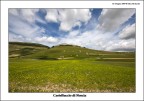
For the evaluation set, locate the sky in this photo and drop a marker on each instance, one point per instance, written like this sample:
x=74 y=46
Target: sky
x=99 y=29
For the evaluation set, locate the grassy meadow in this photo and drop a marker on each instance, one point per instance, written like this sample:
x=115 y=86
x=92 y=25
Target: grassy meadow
x=69 y=68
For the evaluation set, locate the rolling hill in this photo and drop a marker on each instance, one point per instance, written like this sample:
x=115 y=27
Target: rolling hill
x=38 y=51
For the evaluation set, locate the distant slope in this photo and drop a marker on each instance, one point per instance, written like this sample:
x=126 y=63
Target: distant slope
x=27 y=44
x=21 y=49
x=38 y=51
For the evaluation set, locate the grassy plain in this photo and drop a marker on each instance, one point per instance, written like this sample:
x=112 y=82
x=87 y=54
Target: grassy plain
x=67 y=68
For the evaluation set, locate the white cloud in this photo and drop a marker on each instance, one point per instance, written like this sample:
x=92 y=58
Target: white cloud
x=128 y=32
x=91 y=39
x=22 y=28
x=22 y=24
x=52 y=39
x=38 y=19
x=29 y=14
x=14 y=12
x=52 y=15
x=74 y=33
x=45 y=39
x=73 y=17
x=68 y=18
x=111 y=19
x=19 y=30
x=14 y=37
x=121 y=45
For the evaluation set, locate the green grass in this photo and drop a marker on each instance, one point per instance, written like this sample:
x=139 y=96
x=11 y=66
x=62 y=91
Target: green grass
x=39 y=69
x=77 y=75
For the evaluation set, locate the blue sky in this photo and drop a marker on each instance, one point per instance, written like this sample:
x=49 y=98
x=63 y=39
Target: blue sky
x=100 y=29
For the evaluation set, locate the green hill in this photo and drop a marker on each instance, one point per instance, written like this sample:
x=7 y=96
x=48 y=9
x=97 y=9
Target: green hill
x=38 y=51
x=21 y=49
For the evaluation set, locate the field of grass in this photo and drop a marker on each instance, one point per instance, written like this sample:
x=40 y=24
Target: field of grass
x=69 y=69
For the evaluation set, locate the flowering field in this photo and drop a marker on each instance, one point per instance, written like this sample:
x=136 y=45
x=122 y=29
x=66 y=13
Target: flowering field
x=35 y=73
